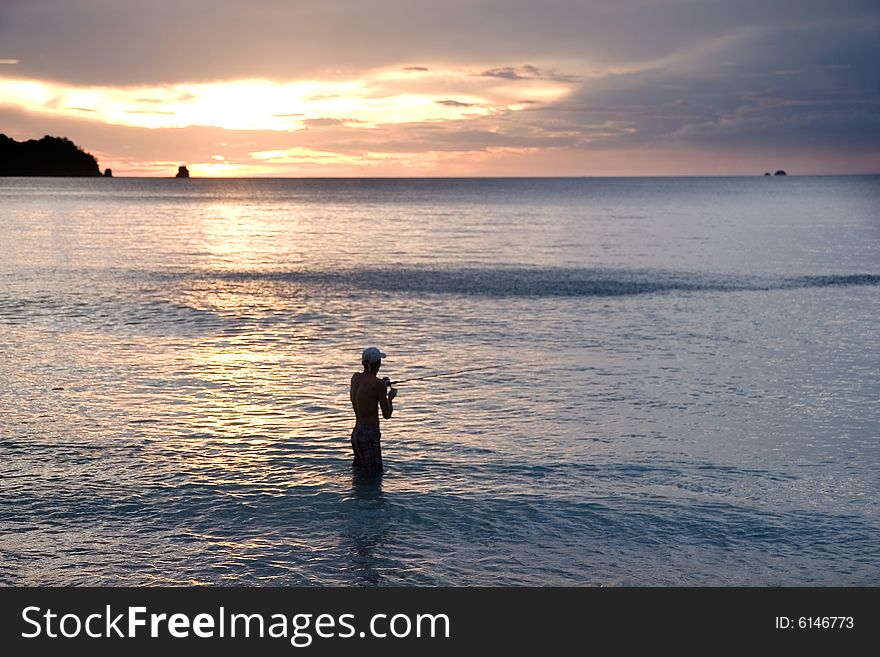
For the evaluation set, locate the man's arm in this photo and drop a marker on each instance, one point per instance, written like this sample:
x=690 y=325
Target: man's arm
x=385 y=401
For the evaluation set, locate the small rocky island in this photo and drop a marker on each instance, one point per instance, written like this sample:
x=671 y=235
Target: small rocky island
x=778 y=173
x=49 y=156
x=182 y=172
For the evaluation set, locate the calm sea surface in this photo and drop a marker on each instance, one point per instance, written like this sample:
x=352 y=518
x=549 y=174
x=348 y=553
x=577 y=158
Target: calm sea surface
x=682 y=389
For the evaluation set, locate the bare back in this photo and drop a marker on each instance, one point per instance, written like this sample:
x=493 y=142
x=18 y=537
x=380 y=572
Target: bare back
x=368 y=395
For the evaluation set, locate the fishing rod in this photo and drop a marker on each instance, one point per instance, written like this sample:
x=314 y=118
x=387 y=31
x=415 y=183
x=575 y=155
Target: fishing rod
x=388 y=382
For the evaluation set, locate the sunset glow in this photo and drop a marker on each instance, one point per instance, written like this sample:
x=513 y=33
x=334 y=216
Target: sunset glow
x=341 y=89
x=268 y=105
x=376 y=102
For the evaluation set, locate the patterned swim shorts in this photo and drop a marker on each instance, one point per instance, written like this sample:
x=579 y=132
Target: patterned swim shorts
x=366 y=448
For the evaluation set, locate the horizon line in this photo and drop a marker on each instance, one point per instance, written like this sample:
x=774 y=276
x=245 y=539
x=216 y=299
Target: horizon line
x=487 y=177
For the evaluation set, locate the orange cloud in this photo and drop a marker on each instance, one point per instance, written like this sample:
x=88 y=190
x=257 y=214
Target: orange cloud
x=383 y=97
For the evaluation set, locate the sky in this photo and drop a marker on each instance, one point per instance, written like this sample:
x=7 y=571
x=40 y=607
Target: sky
x=452 y=88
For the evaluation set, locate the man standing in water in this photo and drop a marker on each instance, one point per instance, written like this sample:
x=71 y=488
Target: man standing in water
x=368 y=394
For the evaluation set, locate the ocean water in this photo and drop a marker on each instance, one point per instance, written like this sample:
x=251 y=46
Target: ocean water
x=681 y=384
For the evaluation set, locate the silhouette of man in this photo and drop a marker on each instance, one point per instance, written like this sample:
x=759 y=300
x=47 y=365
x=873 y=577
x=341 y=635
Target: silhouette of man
x=368 y=394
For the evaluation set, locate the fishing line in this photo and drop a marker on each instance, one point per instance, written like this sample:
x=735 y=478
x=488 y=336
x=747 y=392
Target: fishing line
x=432 y=376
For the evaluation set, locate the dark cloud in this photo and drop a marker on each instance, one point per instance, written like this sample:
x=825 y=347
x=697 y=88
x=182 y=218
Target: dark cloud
x=791 y=125
x=328 y=122
x=154 y=41
x=511 y=73
x=527 y=72
x=801 y=84
x=455 y=103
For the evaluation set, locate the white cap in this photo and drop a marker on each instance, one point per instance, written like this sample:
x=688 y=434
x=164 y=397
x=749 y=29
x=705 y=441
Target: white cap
x=372 y=355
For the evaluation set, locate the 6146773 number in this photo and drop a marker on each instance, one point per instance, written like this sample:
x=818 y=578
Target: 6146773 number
x=815 y=622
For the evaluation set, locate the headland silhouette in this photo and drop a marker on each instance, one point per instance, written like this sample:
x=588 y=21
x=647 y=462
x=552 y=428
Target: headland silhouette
x=49 y=156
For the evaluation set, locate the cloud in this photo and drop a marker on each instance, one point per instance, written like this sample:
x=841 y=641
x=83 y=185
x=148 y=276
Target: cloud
x=325 y=122
x=730 y=94
x=790 y=125
x=376 y=98
x=473 y=79
x=166 y=41
x=527 y=72
x=455 y=103
x=511 y=73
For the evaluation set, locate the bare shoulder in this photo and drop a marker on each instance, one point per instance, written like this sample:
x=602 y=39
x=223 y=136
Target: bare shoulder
x=364 y=380
x=373 y=384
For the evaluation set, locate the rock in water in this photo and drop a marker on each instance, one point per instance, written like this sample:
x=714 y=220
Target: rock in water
x=182 y=172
